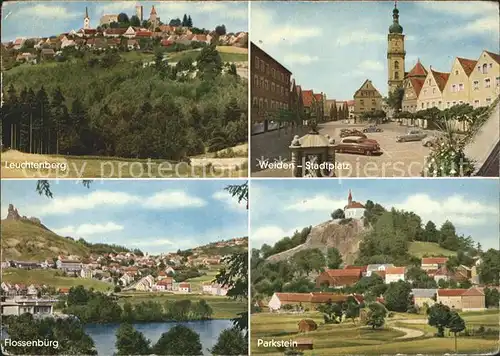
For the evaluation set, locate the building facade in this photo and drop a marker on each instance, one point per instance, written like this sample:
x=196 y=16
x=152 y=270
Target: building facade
x=367 y=99
x=431 y=94
x=353 y=209
x=413 y=83
x=395 y=53
x=108 y=19
x=485 y=80
x=270 y=89
x=457 y=88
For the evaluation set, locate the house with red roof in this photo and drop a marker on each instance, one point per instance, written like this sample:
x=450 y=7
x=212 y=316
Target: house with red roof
x=394 y=274
x=412 y=84
x=457 y=88
x=485 y=79
x=432 y=263
x=164 y=284
x=462 y=299
x=431 y=94
x=338 y=277
x=278 y=300
x=184 y=287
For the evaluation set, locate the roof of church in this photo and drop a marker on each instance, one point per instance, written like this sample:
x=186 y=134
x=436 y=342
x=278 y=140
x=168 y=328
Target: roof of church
x=467 y=64
x=418 y=70
x=440 y=78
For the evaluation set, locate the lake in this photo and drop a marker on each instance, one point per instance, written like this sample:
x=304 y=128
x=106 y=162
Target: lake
x=104 y=335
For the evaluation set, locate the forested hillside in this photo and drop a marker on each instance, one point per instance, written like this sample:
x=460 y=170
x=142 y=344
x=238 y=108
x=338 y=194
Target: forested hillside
x=102 y=104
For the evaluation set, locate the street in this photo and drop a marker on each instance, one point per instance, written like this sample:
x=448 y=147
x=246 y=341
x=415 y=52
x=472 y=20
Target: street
x=397 y=159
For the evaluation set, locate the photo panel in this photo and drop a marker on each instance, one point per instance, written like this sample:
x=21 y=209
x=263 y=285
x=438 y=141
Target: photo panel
x=374 y=267
x=144 y=267
x=374 y=89
x=124 y=89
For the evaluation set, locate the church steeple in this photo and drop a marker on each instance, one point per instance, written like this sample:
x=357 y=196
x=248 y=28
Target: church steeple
x=349 y=198
x=86 y=19
x=395 y=27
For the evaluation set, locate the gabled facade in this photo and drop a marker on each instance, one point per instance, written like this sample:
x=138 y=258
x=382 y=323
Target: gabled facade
x=485 y=80
x=367 y=98
x=412 y=86
x=431 y=94
x=457 y=89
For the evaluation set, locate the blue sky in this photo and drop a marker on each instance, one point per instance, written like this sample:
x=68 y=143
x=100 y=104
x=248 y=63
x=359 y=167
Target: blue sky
x=155 y=216
x=279 y=207
x=332 y=47
x=45 y=18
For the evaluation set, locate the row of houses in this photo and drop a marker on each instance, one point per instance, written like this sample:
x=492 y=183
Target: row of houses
x=470 y=81
x=309 y=300
x=214 y=289
x=148 y=283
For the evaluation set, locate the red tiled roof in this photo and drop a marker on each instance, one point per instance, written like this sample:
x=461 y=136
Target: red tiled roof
x=166 y=28
x=165 y=282
x=417 y=84
x=166 y=43
x=441 y=78
x=473 y=292
x=495 y=56
x=434 y=260
x=395 y=270
x=325 y=297
x=184 y=285
x=351 y=272
x=294 y=297
x=418 y=70
x=467 y=64
x=143 y=34
x=450 y=292
x=115 y=31
x=201 y=37
x=162 y=273
x=307 y=97
x=318 y=97
x=350 y=102
x=354 y=205
x=362 y=268
x=443 y=271
x=380 y=273
x=63 y=290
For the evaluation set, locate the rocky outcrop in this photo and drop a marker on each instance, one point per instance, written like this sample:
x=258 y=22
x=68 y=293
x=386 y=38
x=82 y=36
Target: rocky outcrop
x=344 y=237
x=12 y=213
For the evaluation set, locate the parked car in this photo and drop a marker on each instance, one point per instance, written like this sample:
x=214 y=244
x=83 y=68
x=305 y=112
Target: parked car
x=372 y=128
x=412 y=135
x=351 y=132
x=356 y=144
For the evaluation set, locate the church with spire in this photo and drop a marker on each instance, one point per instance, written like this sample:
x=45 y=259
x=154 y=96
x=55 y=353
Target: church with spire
x=86 y=20
x=395 y=52
x=353 y=209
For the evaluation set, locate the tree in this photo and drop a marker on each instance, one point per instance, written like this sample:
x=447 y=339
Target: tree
x=398 y=296
x=209 y=62
x=184 y=21
x=189 y=22
x=220 y=30
x=489 y=269
x=439 y=316
x=309 y=260
x=332 y=312
x=179 y=340
x=131 y=342
x=135 y=21
x=431 y=234
x=492 y=297
x=230 y=342
x=376 y=315
x=395 y=99
x=334 y=258
x=123 y=18
x=456 y=324
x=351 y=310
x=338 y=214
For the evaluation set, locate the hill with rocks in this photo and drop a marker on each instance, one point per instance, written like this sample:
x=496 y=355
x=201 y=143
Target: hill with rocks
x=345 y=237
x=27 y=239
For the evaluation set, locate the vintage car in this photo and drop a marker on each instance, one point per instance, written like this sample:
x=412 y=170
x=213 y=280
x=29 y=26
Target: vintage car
x=372 y=128
x=412 y=135
x=356 y=144
x=351 y=132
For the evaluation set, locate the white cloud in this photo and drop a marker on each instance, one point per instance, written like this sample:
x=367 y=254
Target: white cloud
x=296 y=58
x=319 y=203
x=482 y=25
x=89 y=229
x=115 y=7
x=72 y=203
x=152 y=242
x=457 y=209
x=173 y=200
x=229 y=201
x=464 y=8
x=356 y=37
x=268 y=234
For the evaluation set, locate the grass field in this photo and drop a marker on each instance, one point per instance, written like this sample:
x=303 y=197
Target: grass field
x=225 y=56
x=112 y=167
x=223 y=307
x=48 y=277
x=348 y=338
x=420 y=249
x=197 y=282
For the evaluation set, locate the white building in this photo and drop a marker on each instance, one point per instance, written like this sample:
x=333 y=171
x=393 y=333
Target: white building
x=394 y=274
x=433 y=263
x=184 y=288
x=353 y=209
x=86 y=273
x=21 y=305
x=377 y=268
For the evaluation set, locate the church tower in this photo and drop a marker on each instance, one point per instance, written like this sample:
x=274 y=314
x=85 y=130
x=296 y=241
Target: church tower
x=86 y=20
x=349 y=198
x=395 y=52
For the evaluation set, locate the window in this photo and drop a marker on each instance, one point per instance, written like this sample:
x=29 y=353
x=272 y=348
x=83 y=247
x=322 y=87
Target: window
x=373 y=102
x=425 y=91
x=476 y=103
x=266 y=84
x=396 y=65
x=267 y=68
x=266 y=104
x=396 y=75
x=454 y=88
x=262 y=82
x=255 y=102
x=460 y=102
x=475 y=85
x=429 y=82
x=460 y=87
x=448 y=104
x=422 y=105
x=433 y=90
x=256 y=80
x=256 y=62
x=273 y=73
x=272 y=104
x=456 y=72
x=427 y=104
x=454 y=103
x=478 y=68
x=497 y=81
x=433 y=103
x=487 y=83
x=485 y=68
x=491 y=65
x=262 y=65
x=261 y=103
x=362 y=102
x=273 y=87
x=439 y=104
x=282 y=77
x=488 y=101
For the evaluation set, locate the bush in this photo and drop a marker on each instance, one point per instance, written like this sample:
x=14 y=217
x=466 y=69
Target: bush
x=287 y=307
